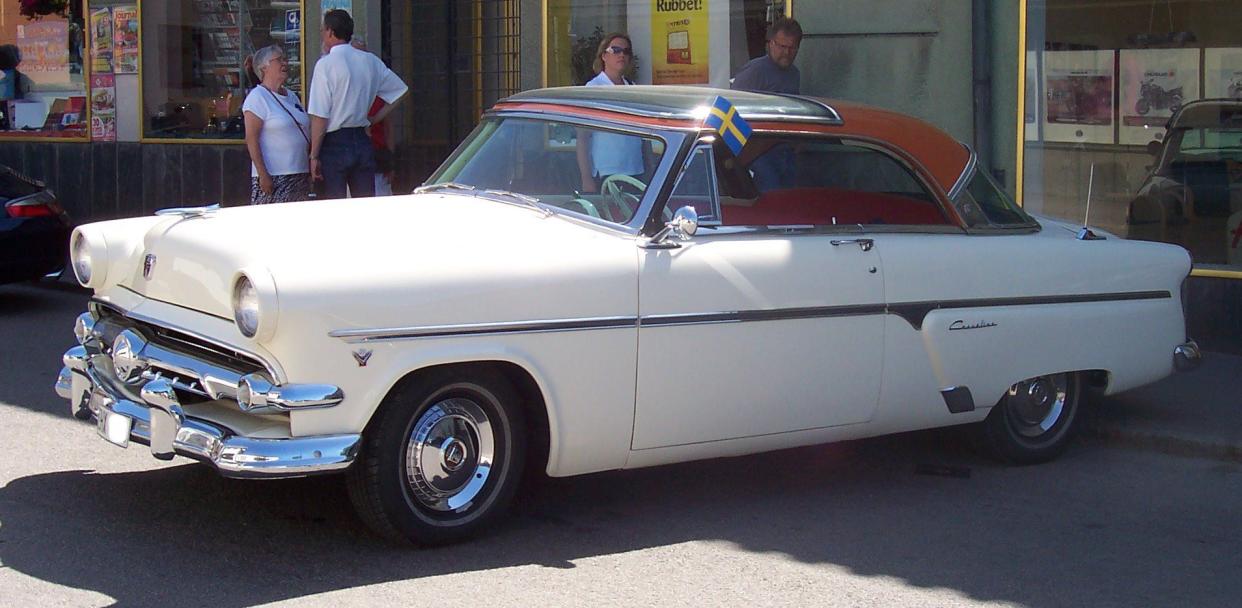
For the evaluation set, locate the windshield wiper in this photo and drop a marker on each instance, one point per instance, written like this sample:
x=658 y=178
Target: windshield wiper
x=525 y=199
x=443 y=186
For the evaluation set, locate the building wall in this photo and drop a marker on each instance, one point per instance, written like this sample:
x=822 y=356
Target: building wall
x=99 y=181
x=913 y=56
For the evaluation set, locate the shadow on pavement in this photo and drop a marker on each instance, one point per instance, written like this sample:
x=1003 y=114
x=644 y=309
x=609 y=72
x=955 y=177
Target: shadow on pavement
x=36 y=320
x=180 y=535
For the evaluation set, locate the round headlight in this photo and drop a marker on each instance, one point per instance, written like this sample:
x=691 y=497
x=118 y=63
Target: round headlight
x=246 y=307
x=81 y=257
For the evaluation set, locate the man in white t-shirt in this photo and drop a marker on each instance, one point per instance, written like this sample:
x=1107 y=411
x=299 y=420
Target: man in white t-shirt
x=344 y=84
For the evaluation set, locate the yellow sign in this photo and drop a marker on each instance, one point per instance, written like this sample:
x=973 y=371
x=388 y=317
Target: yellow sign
x=679 y=39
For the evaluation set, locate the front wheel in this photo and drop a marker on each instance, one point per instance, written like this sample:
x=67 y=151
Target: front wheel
x=1035 y=420
x=443 y=459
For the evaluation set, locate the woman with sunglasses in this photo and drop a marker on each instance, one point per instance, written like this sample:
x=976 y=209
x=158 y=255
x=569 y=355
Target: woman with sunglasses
x=601 y=155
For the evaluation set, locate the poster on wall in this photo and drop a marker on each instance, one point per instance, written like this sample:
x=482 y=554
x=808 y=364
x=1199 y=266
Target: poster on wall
x=345 y=5
x=45 y=56
x=1222 y=73
x=103 y=107
x=1078 y=96
x=1154 y=84
x=125 y=39
x=1032 y=108
x=679 y=42
x=101 y=41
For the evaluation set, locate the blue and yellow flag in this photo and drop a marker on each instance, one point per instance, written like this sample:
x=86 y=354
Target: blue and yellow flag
x=732 y=128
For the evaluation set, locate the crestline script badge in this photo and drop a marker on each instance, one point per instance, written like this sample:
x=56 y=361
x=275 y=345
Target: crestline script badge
x=960 y=324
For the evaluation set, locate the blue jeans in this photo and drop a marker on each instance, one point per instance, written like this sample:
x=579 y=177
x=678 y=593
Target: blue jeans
x=346 y=158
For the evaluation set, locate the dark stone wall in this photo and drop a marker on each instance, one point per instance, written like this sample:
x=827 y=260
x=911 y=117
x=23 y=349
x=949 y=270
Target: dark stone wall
x=99 y=181
x=1214 y=313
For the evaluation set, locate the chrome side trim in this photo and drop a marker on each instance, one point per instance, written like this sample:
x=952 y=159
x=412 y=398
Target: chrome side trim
x=913 y=312
x=916 y=312
x=750 y=316
x=972 y=165
x=354 y=336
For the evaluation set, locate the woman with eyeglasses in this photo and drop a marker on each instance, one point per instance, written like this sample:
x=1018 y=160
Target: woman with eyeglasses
x=277 y=133
x=601 y=155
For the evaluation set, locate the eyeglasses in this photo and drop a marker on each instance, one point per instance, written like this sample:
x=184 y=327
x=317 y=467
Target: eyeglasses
x=620 y=50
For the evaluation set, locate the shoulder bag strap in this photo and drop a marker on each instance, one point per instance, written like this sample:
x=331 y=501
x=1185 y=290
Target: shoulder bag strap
x=295 y=120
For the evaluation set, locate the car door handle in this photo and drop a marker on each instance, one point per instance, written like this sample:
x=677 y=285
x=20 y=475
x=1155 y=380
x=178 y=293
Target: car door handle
x=864 y=244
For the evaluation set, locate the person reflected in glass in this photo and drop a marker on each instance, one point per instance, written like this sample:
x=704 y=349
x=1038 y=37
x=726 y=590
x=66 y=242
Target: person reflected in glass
x=277 y=133
x=601 y=155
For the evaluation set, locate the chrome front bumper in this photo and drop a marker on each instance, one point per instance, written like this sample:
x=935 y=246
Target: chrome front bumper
x=150 y=413
x=1187 y=356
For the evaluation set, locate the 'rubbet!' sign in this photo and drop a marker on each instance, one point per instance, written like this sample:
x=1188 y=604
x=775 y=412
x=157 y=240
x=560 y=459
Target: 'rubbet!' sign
x=679 y=42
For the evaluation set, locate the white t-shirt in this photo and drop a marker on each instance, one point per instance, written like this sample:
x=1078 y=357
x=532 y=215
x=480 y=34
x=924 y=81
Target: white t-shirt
x=346 y=82
x=284 y=147
x=613 y=153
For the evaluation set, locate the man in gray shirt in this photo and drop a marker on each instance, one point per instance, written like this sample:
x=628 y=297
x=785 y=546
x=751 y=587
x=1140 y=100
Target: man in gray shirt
x=775 y=71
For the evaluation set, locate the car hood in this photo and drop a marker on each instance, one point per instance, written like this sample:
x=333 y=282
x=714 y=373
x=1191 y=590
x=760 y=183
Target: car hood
x=376 y=246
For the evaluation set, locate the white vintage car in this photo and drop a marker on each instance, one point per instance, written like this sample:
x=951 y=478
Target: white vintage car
x=595 y=280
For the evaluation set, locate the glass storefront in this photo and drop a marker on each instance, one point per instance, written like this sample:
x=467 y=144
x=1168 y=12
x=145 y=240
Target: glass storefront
x=194 y=69
x=675 y=41
x=1133 y=120
x=42 y=76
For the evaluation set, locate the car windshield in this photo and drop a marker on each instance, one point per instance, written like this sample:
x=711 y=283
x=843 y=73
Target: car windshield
x=593 y=171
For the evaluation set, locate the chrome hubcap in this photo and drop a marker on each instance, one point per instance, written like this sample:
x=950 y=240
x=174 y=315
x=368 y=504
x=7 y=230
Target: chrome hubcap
x=1037 y=404
x=449 y=455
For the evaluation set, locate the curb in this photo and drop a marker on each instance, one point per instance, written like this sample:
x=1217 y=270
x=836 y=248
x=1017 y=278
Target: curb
x=1166 y=444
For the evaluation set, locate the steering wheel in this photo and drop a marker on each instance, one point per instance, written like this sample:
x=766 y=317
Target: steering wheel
x=625 y=200
x=587 y=206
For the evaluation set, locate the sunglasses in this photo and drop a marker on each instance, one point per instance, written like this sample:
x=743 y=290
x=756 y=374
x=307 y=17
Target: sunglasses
x=620 y=50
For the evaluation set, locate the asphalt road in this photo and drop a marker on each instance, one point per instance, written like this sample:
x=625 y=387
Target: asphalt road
x=910 y=520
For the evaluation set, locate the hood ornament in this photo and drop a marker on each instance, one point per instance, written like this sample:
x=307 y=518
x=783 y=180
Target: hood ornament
x=148 y=266
x=190 y=212
x=362 y=355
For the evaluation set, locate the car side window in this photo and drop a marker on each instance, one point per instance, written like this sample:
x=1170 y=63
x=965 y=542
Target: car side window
x=794 y=182
x=696 y=187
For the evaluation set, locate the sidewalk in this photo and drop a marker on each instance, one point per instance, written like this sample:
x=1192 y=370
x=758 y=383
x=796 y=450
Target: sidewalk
x=1196 y=413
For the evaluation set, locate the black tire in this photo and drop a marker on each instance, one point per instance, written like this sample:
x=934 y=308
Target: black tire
x=1142 y=107
x=421 y=457
x=1028 y=426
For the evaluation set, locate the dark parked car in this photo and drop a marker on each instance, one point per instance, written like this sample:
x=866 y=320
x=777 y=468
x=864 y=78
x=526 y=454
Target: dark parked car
x=34 y=229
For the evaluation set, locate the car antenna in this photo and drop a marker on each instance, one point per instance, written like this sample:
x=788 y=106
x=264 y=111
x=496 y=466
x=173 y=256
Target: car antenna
x=1085 y=234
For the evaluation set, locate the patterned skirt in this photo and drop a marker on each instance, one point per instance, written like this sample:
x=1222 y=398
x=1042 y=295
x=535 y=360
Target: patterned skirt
x=285 y=189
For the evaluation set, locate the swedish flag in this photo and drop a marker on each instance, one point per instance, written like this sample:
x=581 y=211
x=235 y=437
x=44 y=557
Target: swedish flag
x=733 y=129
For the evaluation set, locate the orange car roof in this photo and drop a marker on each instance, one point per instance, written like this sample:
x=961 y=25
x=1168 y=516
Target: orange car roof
x=943 y=157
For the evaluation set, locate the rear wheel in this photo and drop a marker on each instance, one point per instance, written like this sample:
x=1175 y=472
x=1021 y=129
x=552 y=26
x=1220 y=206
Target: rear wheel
x=443 y=459
x=1035 y=420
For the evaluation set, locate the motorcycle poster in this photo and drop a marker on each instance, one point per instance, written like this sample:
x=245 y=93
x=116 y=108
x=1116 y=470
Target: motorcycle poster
x=1155 y=83
x=1222 y=73
x=1078 y=96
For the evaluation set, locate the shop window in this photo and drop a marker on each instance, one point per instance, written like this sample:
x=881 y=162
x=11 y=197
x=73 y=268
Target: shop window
x=195 y=72
x=1133 y=121
x=42 y=77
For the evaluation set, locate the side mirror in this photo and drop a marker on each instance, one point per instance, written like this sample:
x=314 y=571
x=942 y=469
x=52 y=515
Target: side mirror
x=685 y=224
x=1153 y=148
